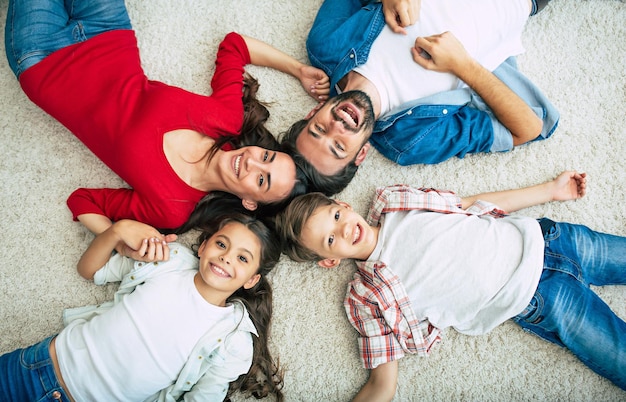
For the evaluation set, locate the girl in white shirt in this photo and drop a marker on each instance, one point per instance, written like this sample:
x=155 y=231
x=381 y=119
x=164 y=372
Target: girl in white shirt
x=179 y=327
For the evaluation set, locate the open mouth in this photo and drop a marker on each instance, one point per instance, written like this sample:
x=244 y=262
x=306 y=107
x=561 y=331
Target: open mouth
x=357 y=234
x=349 y=114
x=219 y=271
x=237 y=165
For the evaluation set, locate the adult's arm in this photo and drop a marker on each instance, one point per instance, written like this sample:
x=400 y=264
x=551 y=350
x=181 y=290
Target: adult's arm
x=569 y=185
x=447 y=54
x=381 y=384
x=314 y=81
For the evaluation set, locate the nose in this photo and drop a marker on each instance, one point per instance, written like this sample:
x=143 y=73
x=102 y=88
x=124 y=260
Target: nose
x=224 y=258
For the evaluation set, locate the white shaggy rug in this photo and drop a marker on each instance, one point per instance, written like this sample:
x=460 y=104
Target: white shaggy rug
x=576 y=52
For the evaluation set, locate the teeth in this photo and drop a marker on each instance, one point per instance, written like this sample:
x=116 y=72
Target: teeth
x=347 y=117
x=237 y=162
x=220 y=271
x=357 y=234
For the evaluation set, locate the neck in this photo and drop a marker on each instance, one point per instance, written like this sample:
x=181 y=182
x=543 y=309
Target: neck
x=355 y=81
x=209 y=294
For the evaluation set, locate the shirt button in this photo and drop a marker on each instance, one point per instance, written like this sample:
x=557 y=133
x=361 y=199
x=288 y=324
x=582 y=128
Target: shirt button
x=445 y=111
x=140 y=264
x=156 y=263
x=176 y=251
x=351 y=56
x=56 y=395
x=410 y=112
x=219 y=340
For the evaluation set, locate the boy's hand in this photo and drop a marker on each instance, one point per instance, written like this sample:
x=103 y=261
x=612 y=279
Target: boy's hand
x=401 y=13
x=569 y=185
x=315 y=82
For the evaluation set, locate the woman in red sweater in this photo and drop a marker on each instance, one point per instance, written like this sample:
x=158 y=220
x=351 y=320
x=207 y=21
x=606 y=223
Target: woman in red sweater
x=172 y=147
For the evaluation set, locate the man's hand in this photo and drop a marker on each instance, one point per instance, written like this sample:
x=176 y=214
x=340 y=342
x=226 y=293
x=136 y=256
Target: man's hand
x=569 y=185
x=401 y=13
x=315 y=82
x=442 y=52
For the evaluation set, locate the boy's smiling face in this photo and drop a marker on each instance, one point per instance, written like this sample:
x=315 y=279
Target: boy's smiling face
x=335 y=232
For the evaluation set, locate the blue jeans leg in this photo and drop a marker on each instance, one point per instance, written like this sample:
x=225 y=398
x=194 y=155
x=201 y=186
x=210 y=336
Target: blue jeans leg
x=36 y=28
x=565 y=310
x=28 y=375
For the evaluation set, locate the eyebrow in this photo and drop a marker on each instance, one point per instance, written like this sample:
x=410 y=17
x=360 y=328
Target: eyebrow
x=269 y=175
x=330 y=147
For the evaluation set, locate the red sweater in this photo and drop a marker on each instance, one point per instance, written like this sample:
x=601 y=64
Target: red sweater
x=98 y=90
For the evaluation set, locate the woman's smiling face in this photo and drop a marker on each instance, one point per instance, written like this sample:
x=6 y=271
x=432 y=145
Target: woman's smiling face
x=257 y=174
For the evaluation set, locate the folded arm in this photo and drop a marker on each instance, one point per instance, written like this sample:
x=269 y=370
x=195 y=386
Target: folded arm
x=445 y=53
x=569 y=185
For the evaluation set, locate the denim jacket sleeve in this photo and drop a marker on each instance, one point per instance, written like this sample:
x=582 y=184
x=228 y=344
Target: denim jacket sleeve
x=432 y=133
x=342 y=35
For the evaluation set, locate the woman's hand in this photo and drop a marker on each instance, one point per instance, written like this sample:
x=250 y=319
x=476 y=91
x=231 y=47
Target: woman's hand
x=315 y=82
x=142 y=242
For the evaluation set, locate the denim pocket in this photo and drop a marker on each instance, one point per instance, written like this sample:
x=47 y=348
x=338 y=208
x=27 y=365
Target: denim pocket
x=532 y=312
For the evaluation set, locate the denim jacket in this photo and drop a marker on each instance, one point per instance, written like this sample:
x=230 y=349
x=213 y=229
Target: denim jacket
x=219 y=357
x=427 y=130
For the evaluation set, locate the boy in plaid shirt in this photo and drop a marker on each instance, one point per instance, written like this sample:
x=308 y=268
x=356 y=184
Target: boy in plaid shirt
x=467 y=264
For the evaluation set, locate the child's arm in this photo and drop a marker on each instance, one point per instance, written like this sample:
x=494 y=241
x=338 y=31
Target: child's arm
x=138 y=236
x=314 y=81
x=381 y=386
x=569 y=185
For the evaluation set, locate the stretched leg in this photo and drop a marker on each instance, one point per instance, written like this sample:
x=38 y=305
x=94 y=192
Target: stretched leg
x=566 y=311
x=36 y=28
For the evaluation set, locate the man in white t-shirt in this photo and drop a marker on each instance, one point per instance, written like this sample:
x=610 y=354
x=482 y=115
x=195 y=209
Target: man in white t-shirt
x=440 y=86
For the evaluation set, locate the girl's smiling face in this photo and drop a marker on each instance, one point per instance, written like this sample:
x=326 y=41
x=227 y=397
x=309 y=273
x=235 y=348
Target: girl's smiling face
x=229 y=260
x=335 y=232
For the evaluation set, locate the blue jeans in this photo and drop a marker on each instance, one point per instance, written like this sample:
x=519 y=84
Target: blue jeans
x=28 y=375
x=37 y=28
x=564 y=309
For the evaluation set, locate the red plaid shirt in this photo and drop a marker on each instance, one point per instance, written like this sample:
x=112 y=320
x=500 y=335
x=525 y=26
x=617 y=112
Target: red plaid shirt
x=376 y=302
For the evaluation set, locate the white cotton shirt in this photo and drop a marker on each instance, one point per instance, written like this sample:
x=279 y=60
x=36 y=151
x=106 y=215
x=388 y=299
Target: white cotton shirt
x=490 y=33
x=157 y=325
x=468 y=272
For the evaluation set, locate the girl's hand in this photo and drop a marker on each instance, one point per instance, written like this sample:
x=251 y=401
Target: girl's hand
x=142 y=242
x=315 y=82
x=569 y=185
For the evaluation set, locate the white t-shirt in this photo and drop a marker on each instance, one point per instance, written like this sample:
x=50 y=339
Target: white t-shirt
x=490 y=31
x=152 y=330
x=464 y=271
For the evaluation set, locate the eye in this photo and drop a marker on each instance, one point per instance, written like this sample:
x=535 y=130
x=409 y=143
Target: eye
x=220 y=244
x=339 y=147
x=331 y=239
x=261 y=180
x=337 y=215
x=243 y=259
x=266 y=156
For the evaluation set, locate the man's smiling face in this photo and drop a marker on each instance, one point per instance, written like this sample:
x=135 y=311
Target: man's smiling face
x=337 y=134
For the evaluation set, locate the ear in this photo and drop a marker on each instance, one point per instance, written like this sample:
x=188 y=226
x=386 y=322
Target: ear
x=313 y=111
x=329 y=263
x=344 y=204
x=249 y=204
x=362 y=154
x=201 y=248
x=252 y=281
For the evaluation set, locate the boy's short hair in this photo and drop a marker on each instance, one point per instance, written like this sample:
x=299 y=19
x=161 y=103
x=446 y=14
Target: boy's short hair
x=291 y=221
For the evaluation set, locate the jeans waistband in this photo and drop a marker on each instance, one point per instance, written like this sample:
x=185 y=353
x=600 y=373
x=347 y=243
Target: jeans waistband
x=546 y=224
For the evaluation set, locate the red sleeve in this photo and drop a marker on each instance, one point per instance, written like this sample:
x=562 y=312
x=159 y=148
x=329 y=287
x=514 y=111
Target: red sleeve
x=232 y=56
x=124 y=203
